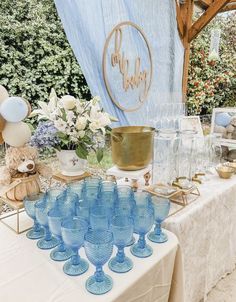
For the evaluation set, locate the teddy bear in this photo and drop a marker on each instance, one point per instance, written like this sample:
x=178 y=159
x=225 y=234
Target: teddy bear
x=22 y=162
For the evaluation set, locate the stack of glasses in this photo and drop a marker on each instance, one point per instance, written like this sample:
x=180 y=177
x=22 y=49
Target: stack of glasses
x=96 y=215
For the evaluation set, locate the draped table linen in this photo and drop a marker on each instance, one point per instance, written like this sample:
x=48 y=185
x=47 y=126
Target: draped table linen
x=206 y=230
x=28 y=274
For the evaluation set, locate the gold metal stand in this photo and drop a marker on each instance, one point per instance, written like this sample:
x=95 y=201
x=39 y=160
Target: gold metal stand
x=18 y=208
x=68 y=179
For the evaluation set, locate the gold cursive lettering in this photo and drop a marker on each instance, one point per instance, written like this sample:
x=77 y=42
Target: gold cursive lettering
x=129 y=81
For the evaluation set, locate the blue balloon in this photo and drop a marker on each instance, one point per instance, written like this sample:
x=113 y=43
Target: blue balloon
x=222 y=119
x=14 y=109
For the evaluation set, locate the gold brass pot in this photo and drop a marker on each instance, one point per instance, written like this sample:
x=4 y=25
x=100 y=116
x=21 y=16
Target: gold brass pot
x=132 y=147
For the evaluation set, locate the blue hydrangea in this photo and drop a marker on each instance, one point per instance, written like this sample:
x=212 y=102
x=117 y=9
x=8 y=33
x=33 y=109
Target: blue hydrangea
x=45 y=136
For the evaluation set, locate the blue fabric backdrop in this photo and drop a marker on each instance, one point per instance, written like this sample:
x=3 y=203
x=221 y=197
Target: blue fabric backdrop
x=87 y=24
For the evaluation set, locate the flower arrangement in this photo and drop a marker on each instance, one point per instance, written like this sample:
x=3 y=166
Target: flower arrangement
x=72 y=124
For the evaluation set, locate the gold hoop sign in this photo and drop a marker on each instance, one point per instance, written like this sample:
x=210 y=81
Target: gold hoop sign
x=125 y=73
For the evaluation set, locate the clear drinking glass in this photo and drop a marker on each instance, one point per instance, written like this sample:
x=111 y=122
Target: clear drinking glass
x=98 y=246
x=143 y=221
x=55 y=217
x=122 y=229
x=36 y=231
x=161 y=210
x=73 y=231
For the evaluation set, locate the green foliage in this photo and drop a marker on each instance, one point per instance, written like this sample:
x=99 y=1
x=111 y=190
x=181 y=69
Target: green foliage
x=34 y=53
x=213 y=83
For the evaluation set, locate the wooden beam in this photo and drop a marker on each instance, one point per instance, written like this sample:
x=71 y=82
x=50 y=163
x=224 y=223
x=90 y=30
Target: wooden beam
x=180 y=22
x=228 y=7
x=203 y=3
x=205 y=18
x=187 y=13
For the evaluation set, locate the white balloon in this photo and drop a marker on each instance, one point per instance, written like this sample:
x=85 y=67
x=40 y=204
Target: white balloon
x=16 y=134
x=3 y=94
x=14 y=109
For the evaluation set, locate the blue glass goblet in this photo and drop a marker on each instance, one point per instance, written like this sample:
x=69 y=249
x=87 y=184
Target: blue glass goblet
x=98 y=246
x=122 y=229
x=77 y=187
x=82 y=210
x=29 y=203
x=93 y=181
x=42 y=208
x=73 y=231
x=161 y=210
x=67 y=201
x=100 y=217
x=142 y=199
x=143 y=221
x=55 y=218
x=124 y=192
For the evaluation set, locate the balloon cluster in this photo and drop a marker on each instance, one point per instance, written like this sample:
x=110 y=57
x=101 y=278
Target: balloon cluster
x=13 y=110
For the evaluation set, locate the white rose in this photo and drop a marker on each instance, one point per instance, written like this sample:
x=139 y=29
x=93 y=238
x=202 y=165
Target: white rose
x=81 y=123
x=104 y=119
x=68 y=102
x=81 y=133
x=96 y=99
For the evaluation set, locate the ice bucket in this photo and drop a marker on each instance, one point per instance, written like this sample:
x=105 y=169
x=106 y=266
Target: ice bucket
x=132 y=147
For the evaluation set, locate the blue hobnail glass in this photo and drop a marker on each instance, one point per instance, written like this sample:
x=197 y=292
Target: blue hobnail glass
x=143 y=221
x=67 y=201
x=77 y=187
x=55 y=218
x=98 y=246
x=42 y=207
x=122 y=229
x=29 y=203
x=108 y=186
x=161 y=210
x=100 y=217
x=142 y=199
x=73 y=231
x=124 y=192
x=82 y=210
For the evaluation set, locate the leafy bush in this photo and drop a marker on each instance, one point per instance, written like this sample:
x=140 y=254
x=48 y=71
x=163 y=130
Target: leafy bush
x=34 y=53
x=213 y=83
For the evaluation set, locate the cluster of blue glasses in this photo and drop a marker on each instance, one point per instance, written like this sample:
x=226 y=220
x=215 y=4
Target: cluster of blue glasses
x=96 y=215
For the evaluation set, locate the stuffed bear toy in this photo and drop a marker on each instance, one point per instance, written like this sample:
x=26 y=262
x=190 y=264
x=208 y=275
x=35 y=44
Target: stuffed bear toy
x=22 y=162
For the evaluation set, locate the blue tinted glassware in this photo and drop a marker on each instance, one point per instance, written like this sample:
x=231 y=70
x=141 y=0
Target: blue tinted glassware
x=36 y=231
x=77 y=187
x=73 y=231
x=42 y=208
x=124 y=192
x=161 y=210
x=100 y=217
x=67 y=201
x=108 y=186
x=55 y=218
x=82 y=210
x=122 y=229
x=93 y=181
x=143 y=221
x=142 y=199
x=98 y=246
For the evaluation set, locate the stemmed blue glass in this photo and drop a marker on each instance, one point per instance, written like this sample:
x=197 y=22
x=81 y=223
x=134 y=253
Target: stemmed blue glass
x=122 y=229
x=77 y=187
x=142 y=198
x=36 y=231
x=161 y=210
x=42 y=208
x=67 y=201
x=55 y=218
x=143 y=221
x=82 y=210
x=100 y=217
x=98 y=246
x=73 y=231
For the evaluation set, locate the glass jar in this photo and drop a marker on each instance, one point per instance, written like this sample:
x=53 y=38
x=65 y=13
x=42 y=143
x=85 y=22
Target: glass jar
x=164 y=157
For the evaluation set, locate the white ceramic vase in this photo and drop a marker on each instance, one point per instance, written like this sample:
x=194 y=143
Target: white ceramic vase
x=70 y=163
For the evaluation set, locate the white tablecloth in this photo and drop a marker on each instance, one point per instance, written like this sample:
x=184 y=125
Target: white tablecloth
x=206 y=230
x=27 y=274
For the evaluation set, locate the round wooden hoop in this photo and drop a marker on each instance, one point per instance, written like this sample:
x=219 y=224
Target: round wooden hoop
x=104 y=65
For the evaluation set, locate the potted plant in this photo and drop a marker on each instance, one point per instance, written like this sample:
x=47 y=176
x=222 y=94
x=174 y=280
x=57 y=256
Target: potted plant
x=74 y=127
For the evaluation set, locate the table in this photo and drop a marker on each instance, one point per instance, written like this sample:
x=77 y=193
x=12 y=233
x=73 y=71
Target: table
x=28 y=274
x=206 y=230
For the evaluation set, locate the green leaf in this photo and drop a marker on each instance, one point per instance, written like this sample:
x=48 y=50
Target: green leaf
x=99 y=155
x=81 y=151
x=87 y=140
x=63 y=114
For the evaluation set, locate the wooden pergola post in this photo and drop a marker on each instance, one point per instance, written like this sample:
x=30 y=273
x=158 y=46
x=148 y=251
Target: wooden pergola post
x=189 y=31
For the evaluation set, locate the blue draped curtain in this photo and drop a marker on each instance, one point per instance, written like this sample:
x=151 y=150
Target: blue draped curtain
x=87 y=23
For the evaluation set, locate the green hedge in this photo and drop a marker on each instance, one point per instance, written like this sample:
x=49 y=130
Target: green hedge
x=213 y=84
x=34 y=53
